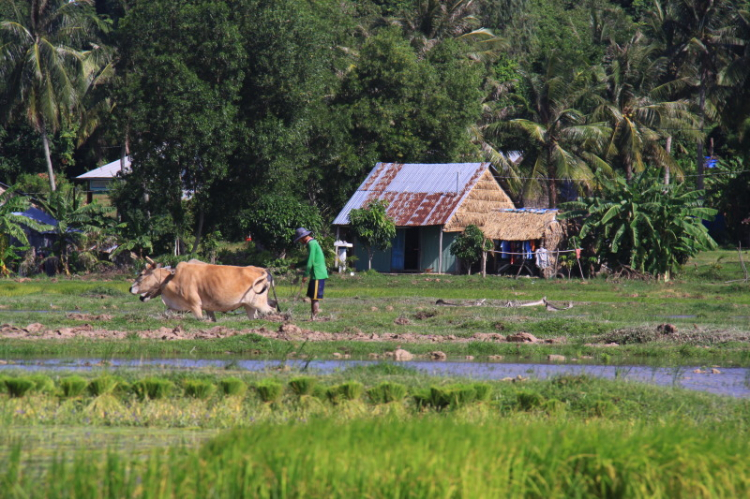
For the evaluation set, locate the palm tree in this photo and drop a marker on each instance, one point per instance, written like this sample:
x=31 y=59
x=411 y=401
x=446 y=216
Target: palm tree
x=640 y=120
x=45 y=58
x=565 y=145
x=700 y=43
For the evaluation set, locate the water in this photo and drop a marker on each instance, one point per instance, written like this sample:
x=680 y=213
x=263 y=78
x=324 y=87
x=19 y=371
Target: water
x=734 y=382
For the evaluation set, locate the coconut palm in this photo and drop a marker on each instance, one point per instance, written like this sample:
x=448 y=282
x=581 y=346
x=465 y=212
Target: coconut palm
x=45 y=57
x=566 y=147
x=700 y=43
x=640 y=121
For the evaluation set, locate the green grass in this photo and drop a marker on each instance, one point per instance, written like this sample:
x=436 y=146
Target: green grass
x=706 y=310
x=431 y=457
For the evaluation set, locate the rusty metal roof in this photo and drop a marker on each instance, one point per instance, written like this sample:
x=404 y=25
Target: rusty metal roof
x=418 y=194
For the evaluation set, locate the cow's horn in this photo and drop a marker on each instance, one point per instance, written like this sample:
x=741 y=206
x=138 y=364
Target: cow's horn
x=149 y=260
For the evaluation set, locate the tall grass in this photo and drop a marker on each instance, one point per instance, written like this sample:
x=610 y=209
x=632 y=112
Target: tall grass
x=426 y=458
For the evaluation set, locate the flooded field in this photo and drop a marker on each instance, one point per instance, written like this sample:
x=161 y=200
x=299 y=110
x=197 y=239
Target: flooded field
x=719 y=380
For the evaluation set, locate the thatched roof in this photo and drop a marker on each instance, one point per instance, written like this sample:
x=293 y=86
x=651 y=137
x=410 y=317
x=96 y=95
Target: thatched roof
x=520 y=224
x=483 y=199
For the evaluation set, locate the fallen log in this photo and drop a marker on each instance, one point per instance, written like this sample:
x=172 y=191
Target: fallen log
x=509 y=304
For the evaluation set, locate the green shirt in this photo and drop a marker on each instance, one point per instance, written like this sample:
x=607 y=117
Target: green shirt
x=316 y=262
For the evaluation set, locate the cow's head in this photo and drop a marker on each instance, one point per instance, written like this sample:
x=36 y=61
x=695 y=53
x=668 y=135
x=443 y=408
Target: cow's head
x=149 y=282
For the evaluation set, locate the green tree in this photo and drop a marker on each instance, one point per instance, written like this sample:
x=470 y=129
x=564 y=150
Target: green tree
x=49 y=50
x=641 y=122
x=564 y=146
x=12 y=227
x=644 y=224
x=470 y=245
x=373 y=228
x=274 y=218
x=75 y=221
x=397 y=107
x=701 y=44
x=184 y=65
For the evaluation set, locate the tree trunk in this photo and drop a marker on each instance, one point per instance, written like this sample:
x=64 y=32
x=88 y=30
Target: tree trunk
x=48 y=158
x=668 y=148
x=551 y=181
x=484 y=264
x=702 y=114
x=628 y=169
x=369 y=259
x=198 y=231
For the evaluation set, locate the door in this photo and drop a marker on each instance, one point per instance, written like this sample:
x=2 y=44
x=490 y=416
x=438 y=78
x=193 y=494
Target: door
x=411 y=249
x=397 y=251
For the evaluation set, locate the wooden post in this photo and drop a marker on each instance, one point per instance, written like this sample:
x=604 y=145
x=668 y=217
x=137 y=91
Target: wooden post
x=484 y=263
x=440 y=251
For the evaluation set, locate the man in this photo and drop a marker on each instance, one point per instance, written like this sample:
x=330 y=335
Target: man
x=315 y=270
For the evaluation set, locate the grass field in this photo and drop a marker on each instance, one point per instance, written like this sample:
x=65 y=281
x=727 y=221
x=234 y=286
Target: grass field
x=383 y=430
x=712 y=317
x=567 y=437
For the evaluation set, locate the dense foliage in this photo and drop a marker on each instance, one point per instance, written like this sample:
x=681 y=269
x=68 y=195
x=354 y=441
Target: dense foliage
x=227 y=106
x=649 y=226
x=469 y=246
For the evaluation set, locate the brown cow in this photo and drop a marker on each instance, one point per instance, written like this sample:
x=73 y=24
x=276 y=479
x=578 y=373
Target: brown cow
x=196 y=286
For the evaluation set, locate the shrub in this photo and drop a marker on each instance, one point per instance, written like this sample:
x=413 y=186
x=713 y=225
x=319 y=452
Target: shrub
x=387 y=392
x=447 y=397
x=232 y=386
x=102 y=385
x=303 y=386
x=42 y=383
x=73 y=386
x=483 y=392
x=152 y=388
x=529 y=401
x=199 y=389
x=269 y=390
x=350 y=390
x=18 y=387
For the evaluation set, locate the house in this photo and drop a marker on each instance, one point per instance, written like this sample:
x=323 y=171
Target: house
x=431 y=204
x=518 y=234
x=99 y=179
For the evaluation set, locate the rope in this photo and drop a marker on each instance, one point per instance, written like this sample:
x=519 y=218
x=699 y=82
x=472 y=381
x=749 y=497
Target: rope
x=532 y=252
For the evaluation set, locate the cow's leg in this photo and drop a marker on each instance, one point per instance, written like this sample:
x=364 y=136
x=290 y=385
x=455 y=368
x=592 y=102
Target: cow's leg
x=197 y=312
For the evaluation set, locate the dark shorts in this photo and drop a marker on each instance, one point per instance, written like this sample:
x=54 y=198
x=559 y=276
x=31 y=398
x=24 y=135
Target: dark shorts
x=315 y=289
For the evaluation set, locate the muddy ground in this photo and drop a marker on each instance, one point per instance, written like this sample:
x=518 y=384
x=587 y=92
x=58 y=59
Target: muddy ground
x=287 y=331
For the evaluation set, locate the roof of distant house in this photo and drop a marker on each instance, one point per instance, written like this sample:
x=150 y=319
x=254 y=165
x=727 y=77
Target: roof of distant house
x=429 y=194
x=110 y=170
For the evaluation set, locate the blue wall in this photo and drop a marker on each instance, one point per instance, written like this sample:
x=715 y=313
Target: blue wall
x=429 y=238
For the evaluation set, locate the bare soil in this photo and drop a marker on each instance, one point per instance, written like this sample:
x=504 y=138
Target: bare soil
x=289 y=331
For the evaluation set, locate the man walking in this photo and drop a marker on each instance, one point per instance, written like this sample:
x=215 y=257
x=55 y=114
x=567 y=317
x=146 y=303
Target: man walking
x=315 y=270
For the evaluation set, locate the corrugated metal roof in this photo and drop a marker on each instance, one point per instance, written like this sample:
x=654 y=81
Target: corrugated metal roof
x=418 y=194
x=110 y=170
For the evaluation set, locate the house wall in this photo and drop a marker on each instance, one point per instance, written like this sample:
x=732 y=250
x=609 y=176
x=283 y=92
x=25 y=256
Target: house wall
x=430 y=249
x=429 y=242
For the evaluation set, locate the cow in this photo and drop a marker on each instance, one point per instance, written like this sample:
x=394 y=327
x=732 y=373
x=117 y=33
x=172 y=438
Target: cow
x=197 y=286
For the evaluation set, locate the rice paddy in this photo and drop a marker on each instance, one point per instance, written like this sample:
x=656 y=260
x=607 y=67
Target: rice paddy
x=376 y=430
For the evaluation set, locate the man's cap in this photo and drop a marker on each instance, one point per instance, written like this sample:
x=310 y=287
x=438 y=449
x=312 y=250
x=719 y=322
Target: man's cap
x=300 y=233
